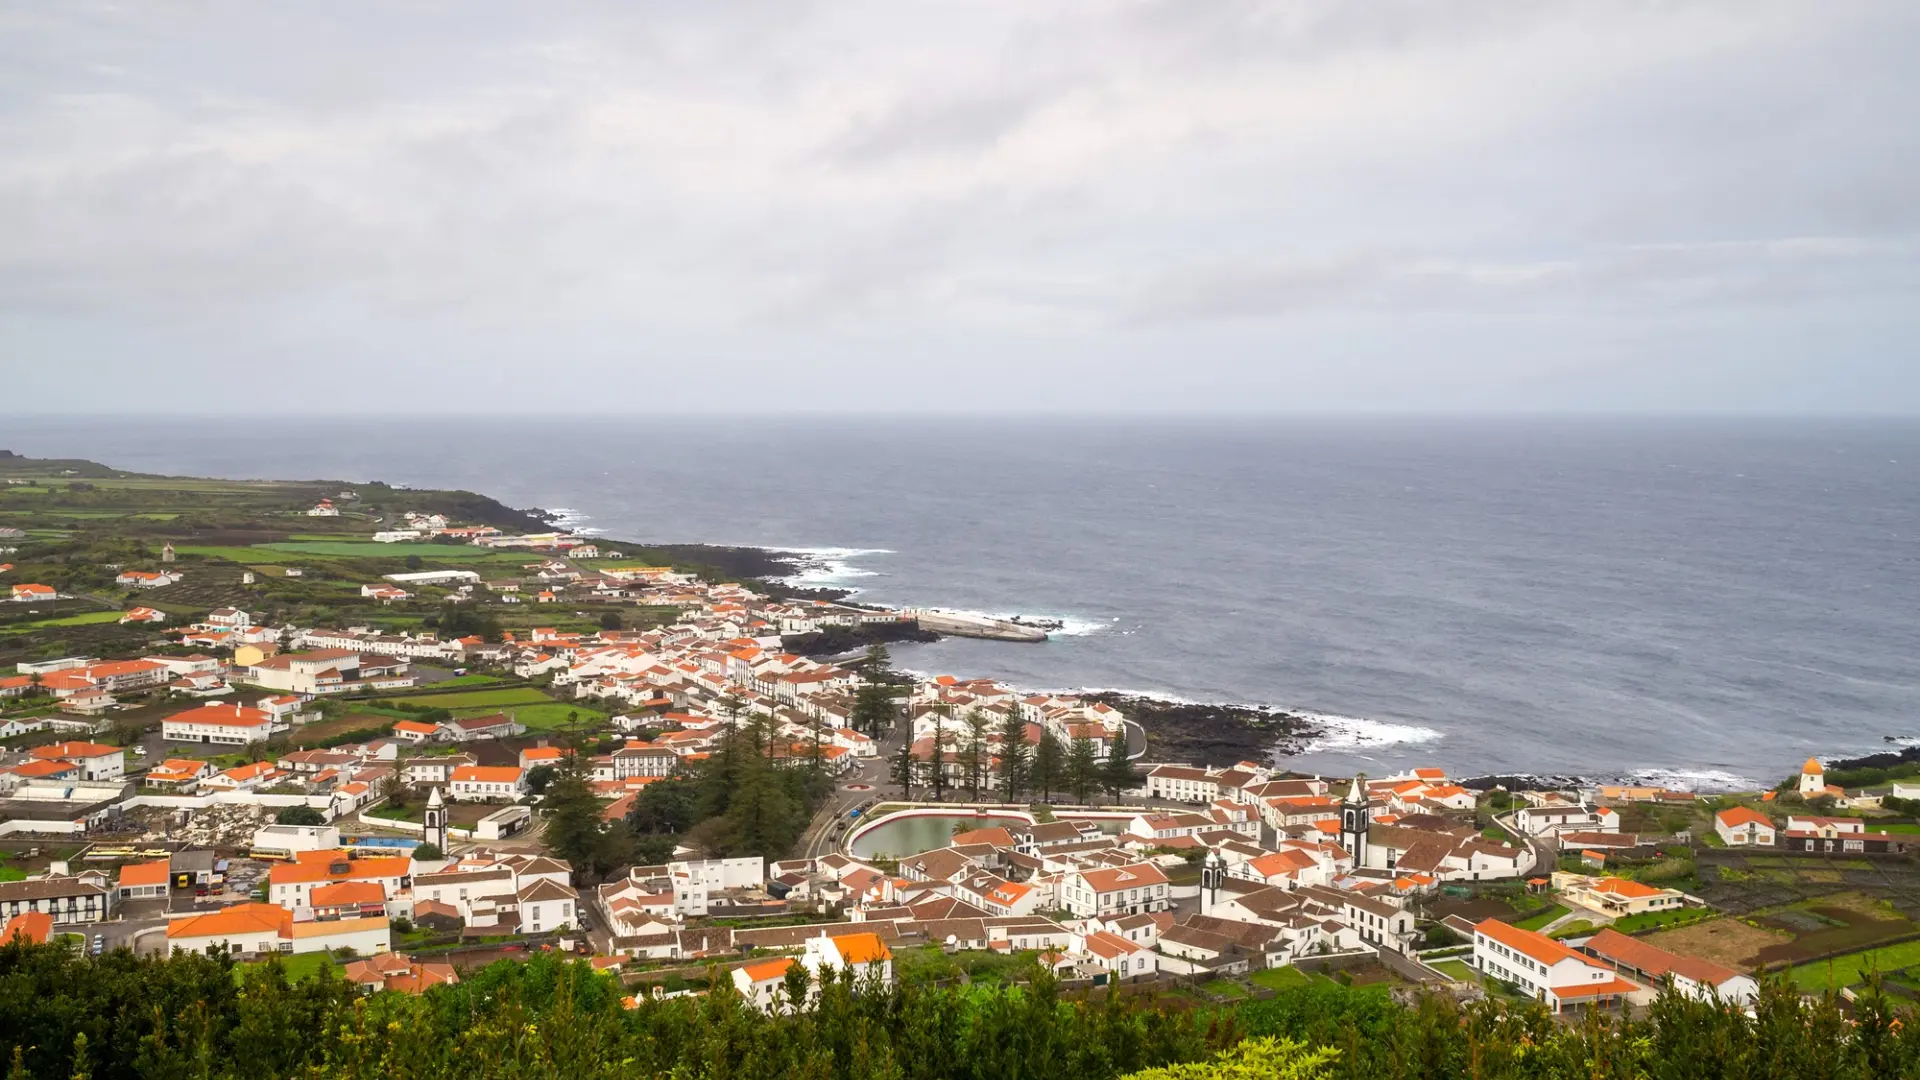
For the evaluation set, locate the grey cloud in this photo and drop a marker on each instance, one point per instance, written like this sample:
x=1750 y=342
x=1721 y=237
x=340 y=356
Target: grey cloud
x=1276 y=203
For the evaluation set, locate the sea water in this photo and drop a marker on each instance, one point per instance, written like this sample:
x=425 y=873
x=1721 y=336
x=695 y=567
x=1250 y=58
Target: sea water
x=1704 y=602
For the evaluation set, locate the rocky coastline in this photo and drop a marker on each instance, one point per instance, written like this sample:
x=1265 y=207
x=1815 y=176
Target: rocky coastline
x=1213 y=734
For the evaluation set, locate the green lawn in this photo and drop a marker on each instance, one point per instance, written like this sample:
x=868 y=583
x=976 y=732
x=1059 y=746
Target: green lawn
x=300 y=966
x=1897 y=827
x=1573 y=928
x=1852 y=968
x=1458 y=970
x=548 y=717
x=467 y=680
x=240 y=554
x=12 y=873
x=1649 y=919
x=398 y=813
x=475 y=699
x=367 y=549
x=1542 y=918
x=90 y=618
x=1224 y=988
x=1280 y=978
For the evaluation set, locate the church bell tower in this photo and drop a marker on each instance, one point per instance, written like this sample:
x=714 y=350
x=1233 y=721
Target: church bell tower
x=436 y=822
x=1354 y=821
x=1212 y=873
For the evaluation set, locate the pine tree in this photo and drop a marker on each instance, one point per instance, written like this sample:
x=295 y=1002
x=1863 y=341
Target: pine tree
x=574 y=830
x=973 y=758
x=762 y=818
x=873 y=709
x=903 y=769
x=1049 y=761
x=1116 y=773
x=1013 y=755
x=1083 y=767
x=938 y=774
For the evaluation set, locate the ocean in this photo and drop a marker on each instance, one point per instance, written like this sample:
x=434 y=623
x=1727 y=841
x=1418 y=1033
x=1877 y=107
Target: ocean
x=1698 y=602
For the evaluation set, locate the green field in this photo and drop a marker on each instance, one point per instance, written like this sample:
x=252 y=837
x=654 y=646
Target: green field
x=1852 y=968
x=474 y=699
x=302 y=966
x=467 y=680
x=1280 y=978
x=1542 y=918
x=239 y=554
x=367 y=549
x=1458 y=970
x=548 y=717
x=1649 y=919
x=91 y=618
x=1897 y=827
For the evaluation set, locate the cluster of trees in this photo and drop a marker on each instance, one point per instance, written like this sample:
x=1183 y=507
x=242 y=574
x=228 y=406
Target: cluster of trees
x=753 y=795
x=189 y=1017
x=1021 y=768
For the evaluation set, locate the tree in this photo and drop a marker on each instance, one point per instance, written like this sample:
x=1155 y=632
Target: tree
x=413 y=562
x=873 y=710
x=428 y=852
x=973 y=753
x=611 y=621
x=1049 y=763
x=762 y=816
x=878 y=663
x=299 y=815
x=1256 y=1059
x=1083 y=767
x=937 y=774
x=538 y=778
x=1116 y=774
x=1014 y=753
x=393 y=787
x=903 y=769
x=575 y=831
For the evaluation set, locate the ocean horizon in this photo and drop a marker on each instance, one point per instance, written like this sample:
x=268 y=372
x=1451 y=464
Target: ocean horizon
x=1702 y=601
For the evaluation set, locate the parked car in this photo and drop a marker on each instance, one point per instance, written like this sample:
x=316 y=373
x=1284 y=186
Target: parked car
x=99 y=944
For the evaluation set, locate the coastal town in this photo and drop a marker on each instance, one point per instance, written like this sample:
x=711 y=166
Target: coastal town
x=404 y=744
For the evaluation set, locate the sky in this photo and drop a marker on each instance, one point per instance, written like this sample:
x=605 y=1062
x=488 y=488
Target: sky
x=384 y=206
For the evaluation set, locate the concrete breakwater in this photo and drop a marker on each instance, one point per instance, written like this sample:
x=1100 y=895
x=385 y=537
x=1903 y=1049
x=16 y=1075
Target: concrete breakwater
x=975 y=626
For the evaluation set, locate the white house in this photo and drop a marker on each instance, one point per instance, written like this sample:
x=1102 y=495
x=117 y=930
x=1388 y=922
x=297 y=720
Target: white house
x=487 y=783
x=1552 y=820
x=234 y=725
x=1116 y=890
x=1696 y=978
x=95 y=762
x=1543 y=968
x=1743 y=826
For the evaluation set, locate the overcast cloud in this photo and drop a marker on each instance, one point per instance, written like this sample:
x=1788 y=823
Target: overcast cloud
x=1033 y=205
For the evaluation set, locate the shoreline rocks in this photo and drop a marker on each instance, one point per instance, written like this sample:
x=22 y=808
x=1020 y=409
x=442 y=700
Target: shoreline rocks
x=1213 y=734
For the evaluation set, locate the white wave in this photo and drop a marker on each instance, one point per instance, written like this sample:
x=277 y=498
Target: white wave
x=827 y=567
x=567 y=519
x=1699 y=780
x=1358 y=733
x=1054 y=625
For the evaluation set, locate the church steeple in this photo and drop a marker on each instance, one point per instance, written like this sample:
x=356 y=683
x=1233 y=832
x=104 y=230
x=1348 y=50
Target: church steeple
x=1354 y=819
x=436 y=822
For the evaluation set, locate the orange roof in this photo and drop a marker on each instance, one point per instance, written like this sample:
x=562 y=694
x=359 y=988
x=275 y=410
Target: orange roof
x=421 y=727
x=343 y=893
x=1632 y=890
x=35 y=926
x=1587 y=990
x=488 y=774
x=74 y=750
x=336 y=926
x=1539 y=946
x=769 y=969
x=1282 y=862
x=1812 y=766
x=44 y=768
x=1108 y=945
x=861 y=948
x=1124 y=877
x=311 y=866
x=238 y=919
x=223 y=715
x=1736 y=816
x=144 y=873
